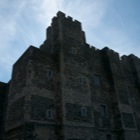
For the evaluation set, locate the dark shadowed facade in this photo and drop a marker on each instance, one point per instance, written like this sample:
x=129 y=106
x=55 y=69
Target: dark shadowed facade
x=3 y=106
x=68 y=90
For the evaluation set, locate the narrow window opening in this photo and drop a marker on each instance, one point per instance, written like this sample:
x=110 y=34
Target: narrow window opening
x=49 y=114
x=73 y=50
x=83 y=111
x=97 y=80
x=82 y=80
x=103 y=111
x=50 y=74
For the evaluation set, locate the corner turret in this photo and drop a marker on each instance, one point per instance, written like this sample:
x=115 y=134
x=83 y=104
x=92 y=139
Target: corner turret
x=61 y=28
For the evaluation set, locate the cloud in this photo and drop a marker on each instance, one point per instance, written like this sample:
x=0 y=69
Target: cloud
x=8 y=31
x=25 y=24
x=89 y=12
x=113 y=37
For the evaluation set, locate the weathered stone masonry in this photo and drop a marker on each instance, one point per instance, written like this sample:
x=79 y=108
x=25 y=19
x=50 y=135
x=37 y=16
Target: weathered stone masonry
x=69 y=90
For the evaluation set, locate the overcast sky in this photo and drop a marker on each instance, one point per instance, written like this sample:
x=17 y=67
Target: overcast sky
x=112 y=23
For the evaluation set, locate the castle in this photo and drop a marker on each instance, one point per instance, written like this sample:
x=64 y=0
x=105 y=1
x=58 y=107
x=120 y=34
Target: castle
x=68 y=90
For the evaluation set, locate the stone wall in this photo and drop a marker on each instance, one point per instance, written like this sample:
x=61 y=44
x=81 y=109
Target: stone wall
x=39 y=107
x=69 y=90
x=16 y=113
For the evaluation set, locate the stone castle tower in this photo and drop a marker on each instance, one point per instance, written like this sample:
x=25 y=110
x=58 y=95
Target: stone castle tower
x=68 y=90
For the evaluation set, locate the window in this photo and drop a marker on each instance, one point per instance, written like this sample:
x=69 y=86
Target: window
x=73 y=50
x=97 y=80
x=103 y=111
x=49 y=114
x=83 y=111
x=81 y=80
x=49 y=74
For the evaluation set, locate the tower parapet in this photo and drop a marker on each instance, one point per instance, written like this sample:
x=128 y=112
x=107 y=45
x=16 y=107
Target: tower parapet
x=61 y=28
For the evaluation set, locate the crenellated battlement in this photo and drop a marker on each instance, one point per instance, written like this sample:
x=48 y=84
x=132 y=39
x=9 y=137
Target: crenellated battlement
x=61 y=15
x=66 y=21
